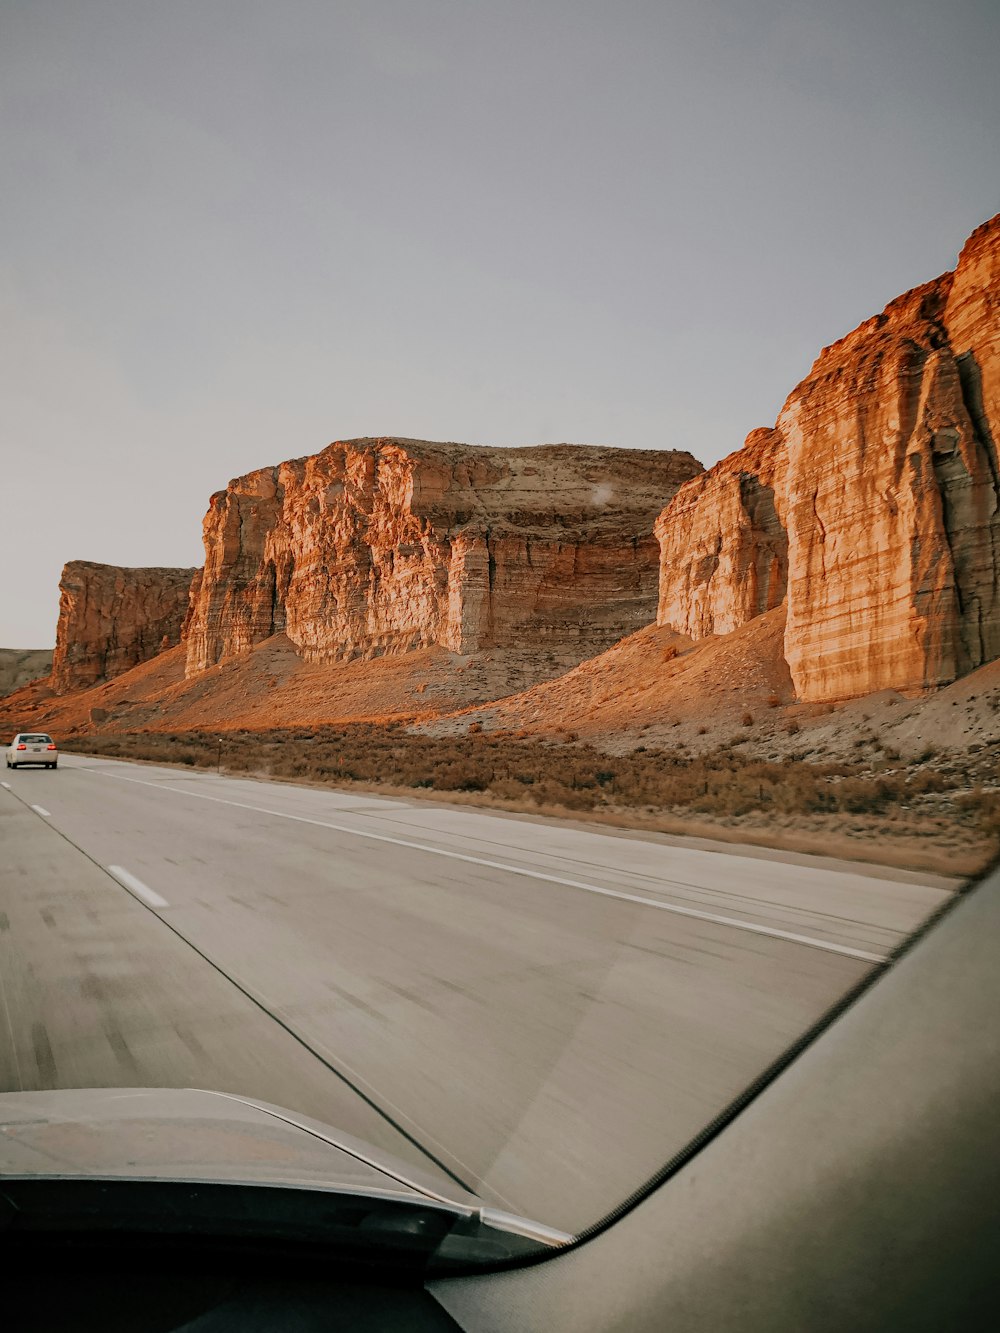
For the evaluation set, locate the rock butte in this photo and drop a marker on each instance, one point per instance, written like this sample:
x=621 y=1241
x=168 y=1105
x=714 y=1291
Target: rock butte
x=873 y=504
x=111 y=619
x=381 y=546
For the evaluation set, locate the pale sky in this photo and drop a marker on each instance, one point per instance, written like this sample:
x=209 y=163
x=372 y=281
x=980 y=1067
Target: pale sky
x=232 y=231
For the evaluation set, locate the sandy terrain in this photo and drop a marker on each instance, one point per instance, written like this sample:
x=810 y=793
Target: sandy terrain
x=272 y=686
x=735 y=689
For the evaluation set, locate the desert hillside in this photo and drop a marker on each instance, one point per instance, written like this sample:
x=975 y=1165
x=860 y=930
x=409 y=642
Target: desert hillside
x=661 y=691
x=272 y=685
x=18 y=666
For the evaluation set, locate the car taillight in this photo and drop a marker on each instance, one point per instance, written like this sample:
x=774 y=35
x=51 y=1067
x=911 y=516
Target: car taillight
x=22 y=747
x=50 y=747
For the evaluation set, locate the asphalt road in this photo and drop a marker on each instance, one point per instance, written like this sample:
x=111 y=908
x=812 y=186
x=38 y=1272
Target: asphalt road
x=553 y=1011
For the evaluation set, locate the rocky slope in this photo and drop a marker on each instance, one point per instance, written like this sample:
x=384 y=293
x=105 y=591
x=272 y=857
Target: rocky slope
x=272 y=686
x=111 y=618
x=873 y=505
x=658 y=690
x=18 y=666
x=384 y=546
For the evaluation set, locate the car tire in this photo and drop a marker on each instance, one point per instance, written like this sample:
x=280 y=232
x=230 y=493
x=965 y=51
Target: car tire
x=12 y=765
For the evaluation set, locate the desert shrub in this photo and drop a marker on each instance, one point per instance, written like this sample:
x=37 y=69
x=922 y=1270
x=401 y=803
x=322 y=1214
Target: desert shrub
x=720 y=783
x=462 y=776
x=578 y=799
x=927 y=780
x=981 y=808
x=747 y=719
x=862 y=795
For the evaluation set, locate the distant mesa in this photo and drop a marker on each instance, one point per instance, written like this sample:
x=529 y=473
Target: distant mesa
x=20 y=666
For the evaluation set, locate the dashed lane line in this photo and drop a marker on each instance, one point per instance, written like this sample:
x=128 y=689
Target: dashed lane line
x=136 y=885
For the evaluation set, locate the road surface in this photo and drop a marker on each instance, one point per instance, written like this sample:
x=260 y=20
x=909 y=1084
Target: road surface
x=553 y=1012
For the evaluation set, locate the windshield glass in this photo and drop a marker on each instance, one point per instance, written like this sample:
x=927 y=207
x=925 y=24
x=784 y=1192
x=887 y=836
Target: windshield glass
x=504 y=811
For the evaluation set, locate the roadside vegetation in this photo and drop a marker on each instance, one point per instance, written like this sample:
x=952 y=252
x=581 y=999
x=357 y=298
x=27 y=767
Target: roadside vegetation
x=937 y=800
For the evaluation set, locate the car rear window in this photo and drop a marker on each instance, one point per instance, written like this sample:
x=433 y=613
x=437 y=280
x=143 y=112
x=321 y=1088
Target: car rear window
x=37 y=740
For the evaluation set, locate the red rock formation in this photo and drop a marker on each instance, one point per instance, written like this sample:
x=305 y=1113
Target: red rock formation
x=111 y=618
x=723 y=549
x=884 y=474
x=381 y=546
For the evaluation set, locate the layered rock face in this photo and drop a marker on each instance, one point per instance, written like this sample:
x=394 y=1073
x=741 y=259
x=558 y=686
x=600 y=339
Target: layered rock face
x=723 y=549
x=382 y=546
x=112 y=618
x=874 y=504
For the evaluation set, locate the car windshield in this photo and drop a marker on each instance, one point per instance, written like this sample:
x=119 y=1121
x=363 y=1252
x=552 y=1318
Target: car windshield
x=543 y=1013
x=480 y=823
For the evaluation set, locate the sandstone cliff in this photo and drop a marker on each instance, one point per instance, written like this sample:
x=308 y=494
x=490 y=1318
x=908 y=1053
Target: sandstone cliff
x=723 y=549
x=874 y=504
x=112 y=618
x=383 y=546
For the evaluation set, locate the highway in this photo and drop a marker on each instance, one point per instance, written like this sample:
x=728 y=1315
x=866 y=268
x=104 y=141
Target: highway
x=551 y=1011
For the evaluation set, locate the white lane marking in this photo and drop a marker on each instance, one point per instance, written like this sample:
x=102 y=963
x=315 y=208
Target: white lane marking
x=41 y=810
x=5 y=784
x=137 y=886
x=737 y=924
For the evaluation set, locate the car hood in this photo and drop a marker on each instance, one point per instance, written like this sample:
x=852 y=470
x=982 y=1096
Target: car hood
x=189 y=1134
x=186 y=1134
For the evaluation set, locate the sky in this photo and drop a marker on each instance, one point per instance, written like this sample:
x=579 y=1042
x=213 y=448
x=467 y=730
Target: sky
x=232 y=231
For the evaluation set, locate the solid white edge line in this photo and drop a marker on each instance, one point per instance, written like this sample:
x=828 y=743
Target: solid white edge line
x=41 y=810
x=753 y=928
x=5 y=784
x=147 y=894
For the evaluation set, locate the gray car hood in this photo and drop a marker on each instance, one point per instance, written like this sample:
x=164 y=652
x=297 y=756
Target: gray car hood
x=186 y=1134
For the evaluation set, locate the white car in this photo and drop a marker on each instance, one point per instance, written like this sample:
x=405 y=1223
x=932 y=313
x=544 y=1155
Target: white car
x=32 y=747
